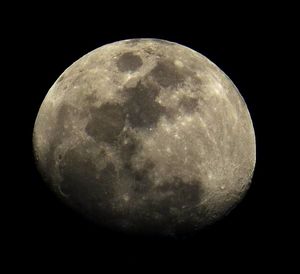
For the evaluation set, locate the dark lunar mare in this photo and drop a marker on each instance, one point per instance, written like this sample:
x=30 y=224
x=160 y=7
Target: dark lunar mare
x=169 y=208
x=106 y=123
x=129 y=62
x=167 y=74
x=89 y=190
x=142 y=109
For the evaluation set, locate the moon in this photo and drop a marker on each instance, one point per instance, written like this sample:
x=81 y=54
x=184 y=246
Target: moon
x=146 y=136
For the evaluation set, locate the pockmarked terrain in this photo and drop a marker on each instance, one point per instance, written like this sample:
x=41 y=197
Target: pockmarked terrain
x=146 y=136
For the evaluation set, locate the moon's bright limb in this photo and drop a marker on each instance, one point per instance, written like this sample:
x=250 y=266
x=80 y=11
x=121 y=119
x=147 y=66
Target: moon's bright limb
x=146 y=135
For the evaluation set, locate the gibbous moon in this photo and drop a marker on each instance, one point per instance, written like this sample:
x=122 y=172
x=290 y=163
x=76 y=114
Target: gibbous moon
x=146 y=136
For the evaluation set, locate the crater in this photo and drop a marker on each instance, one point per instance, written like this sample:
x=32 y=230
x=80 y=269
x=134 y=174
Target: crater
x=57 y=131
x=167 y=74
x=77 y=173
x=129 y=62
x=141 y=108
x=106 y=123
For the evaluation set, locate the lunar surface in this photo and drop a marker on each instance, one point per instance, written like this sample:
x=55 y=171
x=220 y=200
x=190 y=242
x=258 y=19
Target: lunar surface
x=146 y=136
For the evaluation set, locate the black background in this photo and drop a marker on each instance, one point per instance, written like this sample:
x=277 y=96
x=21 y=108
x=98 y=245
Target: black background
x=43 y=233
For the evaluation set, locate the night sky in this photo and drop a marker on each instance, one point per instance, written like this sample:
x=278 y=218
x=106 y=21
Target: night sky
x=43 y=233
